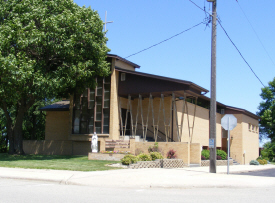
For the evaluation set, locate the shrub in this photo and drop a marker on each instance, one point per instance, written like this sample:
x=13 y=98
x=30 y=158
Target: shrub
x=219 y=158
x=222 y=154
x=262 y=161
x=171 y=154
x=144 y=157
x=205 y=153
x=129 y=159
x=156 y=155
x=203 y=158
x=254 y=162
x=154 y=148
x=259 y=158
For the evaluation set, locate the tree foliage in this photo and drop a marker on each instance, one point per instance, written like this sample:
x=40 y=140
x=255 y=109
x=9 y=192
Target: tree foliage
x=267 y=111
x=268 y=152
x=48 y=48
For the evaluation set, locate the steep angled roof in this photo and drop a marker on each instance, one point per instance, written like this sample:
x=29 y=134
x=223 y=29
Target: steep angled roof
x=123 y=59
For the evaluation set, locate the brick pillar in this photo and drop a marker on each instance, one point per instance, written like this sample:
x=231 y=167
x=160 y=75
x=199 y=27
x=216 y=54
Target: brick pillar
x=132 y=145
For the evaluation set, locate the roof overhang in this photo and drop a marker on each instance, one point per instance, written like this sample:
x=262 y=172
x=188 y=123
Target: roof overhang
x=145 y=84
x=63 y=105
x=123 y=59
x=232 y=110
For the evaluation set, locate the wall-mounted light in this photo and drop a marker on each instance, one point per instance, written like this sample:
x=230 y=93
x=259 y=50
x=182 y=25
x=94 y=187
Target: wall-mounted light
x=231 y=137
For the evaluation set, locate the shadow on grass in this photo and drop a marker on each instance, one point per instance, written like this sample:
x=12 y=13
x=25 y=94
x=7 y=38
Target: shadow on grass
x=8 y=157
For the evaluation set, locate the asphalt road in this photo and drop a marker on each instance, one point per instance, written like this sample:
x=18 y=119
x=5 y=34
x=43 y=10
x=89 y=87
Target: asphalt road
x=266 y=173
x=23 y=191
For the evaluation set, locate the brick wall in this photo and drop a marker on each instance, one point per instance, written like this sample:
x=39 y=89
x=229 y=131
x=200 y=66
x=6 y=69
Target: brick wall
x=195 y=153
x=57 y=125
x=250 y=140
x=181 y=148
x=56 y=147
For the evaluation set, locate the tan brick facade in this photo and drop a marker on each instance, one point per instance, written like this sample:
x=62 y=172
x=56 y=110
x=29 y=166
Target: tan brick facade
x=60 y=140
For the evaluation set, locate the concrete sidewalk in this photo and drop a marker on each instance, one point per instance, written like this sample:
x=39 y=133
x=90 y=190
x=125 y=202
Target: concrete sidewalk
x=148 y=178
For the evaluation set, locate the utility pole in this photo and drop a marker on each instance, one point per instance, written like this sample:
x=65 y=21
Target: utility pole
x=213 y=104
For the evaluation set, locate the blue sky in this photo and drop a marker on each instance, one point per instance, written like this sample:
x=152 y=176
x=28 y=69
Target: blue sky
x=139 y=24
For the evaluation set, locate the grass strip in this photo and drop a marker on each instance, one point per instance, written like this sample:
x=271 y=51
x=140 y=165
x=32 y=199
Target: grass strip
x=56 y=162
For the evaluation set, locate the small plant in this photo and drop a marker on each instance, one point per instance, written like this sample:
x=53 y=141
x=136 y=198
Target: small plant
x=129 y=159
x=171 y=154
x=262 y=161
x=254 y=162
x=156 y=155
x=144 y=157
x=203 y=158
x=219 y=157
x=205 y=153
x=154 y=148
x=259 y=158
x=222 y=154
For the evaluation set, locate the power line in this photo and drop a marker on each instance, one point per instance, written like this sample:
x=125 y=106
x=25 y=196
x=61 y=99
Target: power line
x=256 y=33
x=240 y=53
x=219 y=21
x=165 y=39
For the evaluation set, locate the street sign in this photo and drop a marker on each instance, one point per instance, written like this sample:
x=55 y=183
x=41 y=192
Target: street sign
x=229 y=122
x=211 y=143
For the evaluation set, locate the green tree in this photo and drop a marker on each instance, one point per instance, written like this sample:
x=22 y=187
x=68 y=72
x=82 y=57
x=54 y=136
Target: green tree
x=268 y=152
x=267 y=111
x=48 y=49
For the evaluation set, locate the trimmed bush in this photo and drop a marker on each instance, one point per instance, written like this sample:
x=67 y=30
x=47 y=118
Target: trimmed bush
x=254 y=162
x=203 y=158
x=222 y=154
x=144 y=157
x=219 y=158
x=262 y=161
x=156 y=155
x=259 y=158
x=171 y=154
x=129 y=159
x=205 y=153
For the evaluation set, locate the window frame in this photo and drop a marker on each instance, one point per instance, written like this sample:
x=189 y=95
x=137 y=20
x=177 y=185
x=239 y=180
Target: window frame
x=104 y=110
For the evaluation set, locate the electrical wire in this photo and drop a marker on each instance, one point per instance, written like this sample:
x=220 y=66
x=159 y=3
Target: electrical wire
x=240 y=53
x=256 y=33
x=166 y=39
x=219 y=21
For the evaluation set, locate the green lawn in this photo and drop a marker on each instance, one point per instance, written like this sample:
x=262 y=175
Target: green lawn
x=73 y=163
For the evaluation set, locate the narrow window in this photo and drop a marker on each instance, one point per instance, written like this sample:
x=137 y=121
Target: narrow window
x=92 y=109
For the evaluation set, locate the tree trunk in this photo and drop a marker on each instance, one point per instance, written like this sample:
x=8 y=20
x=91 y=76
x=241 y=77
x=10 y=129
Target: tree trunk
x=14 y=130
x=17 y=131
